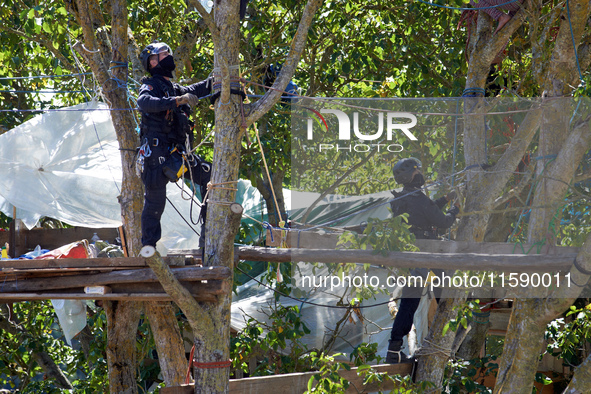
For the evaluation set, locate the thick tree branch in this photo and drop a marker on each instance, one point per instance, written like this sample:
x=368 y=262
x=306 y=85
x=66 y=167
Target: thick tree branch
x=516 y=150
x=209 y=21
x=183 y=298
x=297 y=47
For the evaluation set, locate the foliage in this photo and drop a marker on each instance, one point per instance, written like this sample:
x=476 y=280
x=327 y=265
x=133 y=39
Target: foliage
x=4 y=221
x=327 y=380
x=85 y=368
x=468 y=375
x=281 y=348
x=464 y=315
x=41 y=332
x=570 y=336
x=382 y=236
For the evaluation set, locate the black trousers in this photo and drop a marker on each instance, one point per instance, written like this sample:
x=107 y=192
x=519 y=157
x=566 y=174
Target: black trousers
x=409 y=303
x=155 y=196
x=155 y=192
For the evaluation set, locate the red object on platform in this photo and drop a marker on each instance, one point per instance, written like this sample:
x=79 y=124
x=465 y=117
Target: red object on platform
x=75 y=250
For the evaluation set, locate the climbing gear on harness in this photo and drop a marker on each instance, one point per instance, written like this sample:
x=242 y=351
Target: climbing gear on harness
x=143 y=152
x=174 y=167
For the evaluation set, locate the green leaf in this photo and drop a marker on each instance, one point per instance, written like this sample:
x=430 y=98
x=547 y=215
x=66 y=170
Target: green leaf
x=445 y=328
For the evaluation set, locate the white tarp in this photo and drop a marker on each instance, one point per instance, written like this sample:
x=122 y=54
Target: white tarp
x=66 y=165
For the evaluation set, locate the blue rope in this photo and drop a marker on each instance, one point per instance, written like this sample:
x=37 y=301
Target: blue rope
x=473 y=92
x=574 y=44
x=467 y=9
x=45 y=76
x=268 y=226
x=42 y=91
x=68 y=110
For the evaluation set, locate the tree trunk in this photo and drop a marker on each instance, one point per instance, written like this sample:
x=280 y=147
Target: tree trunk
x=168 y=340
x=524 y=341
x=110 y=67
x=561 y=150
x=122 y=324
x=581 y=380
x=482 y=187
x=435 y=352
x=221 y=225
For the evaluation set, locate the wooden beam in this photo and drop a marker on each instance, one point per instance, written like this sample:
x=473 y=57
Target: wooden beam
x=145 y=275
x=84 y=263
x=461 y=261
x=297 y=383
x=19 y=297
x=206 y=292
x=324 y=240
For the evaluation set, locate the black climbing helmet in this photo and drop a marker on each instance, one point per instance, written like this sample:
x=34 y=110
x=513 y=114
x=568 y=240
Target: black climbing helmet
x=153 y=49
x=404 y=169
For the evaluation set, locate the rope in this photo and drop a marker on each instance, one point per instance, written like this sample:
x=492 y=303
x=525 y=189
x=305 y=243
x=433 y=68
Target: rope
x=182 y=217
x=211 y=186
x=580 y=268
x=267 y=171
x=433 y=349
x=574 y=44
x=472 y=92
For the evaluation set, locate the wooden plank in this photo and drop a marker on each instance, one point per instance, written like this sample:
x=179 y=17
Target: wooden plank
x=182 y=389
x=461 y=261
x=146 y=275
x=19 y=297
x=83 y=263
x=206 y=292
x=297 y=383
x=12 y=273
x=436 y=246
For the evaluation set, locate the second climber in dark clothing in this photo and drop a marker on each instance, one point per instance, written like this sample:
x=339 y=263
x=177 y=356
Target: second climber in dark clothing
x=425 y=218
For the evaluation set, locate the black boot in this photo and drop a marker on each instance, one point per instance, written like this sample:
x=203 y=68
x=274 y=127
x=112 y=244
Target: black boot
x=395 y=355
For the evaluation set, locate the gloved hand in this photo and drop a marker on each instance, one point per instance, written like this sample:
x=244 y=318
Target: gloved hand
x=451 y=196
x=187 y=98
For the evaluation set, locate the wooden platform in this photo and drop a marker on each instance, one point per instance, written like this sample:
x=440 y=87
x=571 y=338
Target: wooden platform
x=127 y=278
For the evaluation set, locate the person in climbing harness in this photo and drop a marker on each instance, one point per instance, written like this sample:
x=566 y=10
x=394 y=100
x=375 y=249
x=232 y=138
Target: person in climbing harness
x=425 y=218
x=166 y=136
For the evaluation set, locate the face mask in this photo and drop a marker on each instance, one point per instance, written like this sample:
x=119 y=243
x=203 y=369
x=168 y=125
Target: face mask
x=165 y=67
x=417 y=181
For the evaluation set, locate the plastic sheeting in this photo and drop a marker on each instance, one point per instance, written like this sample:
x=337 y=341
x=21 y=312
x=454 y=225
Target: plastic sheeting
x=71 y=315
x=256 y=301
x=66 y=165
x=62 y=164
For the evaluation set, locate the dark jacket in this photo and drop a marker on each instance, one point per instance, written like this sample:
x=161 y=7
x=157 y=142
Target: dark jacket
x=161 y=117
x=424 y=215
